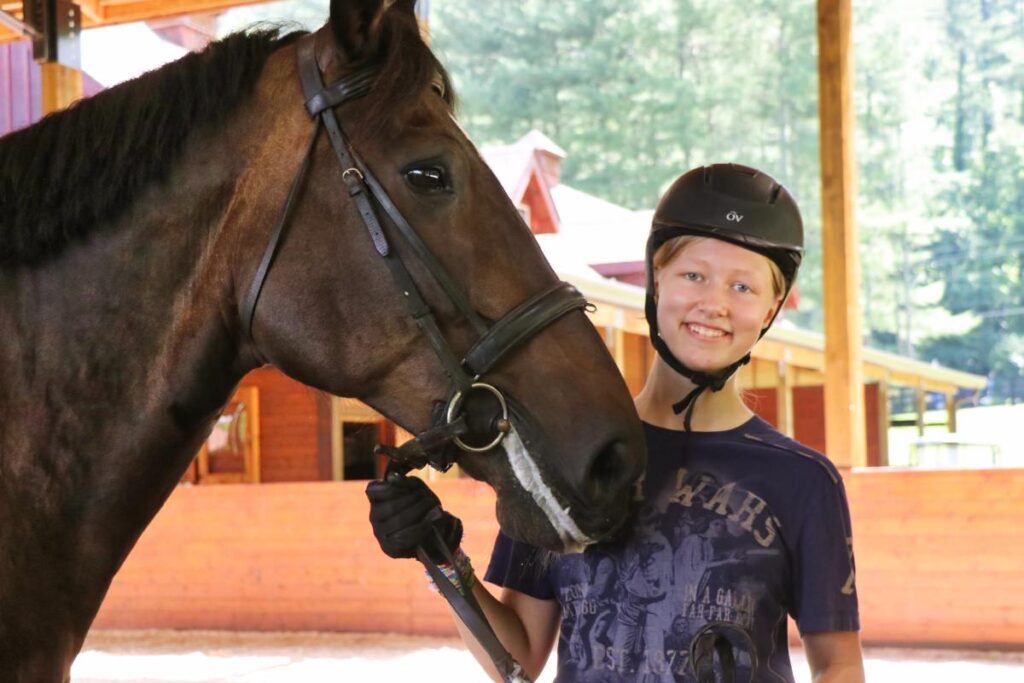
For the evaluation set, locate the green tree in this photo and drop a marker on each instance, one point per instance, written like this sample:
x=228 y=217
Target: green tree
x=637 y=92
x=977 y=254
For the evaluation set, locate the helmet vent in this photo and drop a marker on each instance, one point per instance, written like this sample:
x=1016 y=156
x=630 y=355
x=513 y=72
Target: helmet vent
x=775 y=194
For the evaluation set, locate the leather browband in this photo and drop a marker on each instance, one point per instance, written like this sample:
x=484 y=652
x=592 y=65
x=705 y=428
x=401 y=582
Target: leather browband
x=350 y=88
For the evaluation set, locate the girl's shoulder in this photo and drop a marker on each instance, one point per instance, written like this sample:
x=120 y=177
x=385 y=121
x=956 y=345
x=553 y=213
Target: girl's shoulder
x=760 y=435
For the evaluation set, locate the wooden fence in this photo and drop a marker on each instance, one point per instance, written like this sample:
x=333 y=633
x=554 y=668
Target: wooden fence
x=940 y=558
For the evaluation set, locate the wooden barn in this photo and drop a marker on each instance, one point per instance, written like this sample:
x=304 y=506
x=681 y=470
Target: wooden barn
x=268 y=529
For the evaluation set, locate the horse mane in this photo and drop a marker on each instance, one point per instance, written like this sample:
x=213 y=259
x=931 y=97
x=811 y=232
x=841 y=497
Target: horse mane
x=82 y=167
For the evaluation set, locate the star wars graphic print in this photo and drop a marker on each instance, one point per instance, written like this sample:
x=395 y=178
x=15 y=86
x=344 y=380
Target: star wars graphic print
x=706 y=578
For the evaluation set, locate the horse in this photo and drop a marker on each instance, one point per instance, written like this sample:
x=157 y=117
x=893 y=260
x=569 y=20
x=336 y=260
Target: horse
x=163 y=238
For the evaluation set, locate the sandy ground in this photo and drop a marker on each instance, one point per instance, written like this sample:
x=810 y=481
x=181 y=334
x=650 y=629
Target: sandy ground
x=209 y=657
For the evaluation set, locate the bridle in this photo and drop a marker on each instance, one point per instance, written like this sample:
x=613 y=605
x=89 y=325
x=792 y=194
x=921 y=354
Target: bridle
x=495 y=341
x=451 y=432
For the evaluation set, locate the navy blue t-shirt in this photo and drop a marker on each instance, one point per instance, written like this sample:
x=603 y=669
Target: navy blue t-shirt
x=735 y=530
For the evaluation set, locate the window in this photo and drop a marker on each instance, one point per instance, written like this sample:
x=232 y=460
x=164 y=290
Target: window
x=356 y=430
x=231 y=454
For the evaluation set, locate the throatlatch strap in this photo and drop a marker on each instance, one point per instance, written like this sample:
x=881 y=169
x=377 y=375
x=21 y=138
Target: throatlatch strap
x=253 y=295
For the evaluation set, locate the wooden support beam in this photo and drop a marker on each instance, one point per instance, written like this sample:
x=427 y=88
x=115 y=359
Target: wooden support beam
x=884 y=417
x=13 y=28
x=62 y=85
x=845 y=437
x=784 y=398
x=618 y=339
x=951 y=413
x=141 y=10
x=92 y=10
x=337 y=440
x=920 y=406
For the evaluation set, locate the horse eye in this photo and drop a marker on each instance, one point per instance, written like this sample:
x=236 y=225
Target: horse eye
x=428 y=179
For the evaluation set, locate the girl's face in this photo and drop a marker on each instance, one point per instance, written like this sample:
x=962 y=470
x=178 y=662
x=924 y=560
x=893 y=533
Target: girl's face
x=714 y=298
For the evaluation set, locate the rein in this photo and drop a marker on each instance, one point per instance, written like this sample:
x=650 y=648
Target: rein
x=452 y=431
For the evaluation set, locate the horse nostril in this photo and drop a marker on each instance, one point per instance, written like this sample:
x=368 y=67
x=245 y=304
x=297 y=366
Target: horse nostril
x=609 y=472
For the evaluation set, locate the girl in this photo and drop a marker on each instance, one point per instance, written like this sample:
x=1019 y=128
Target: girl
x=742 y=525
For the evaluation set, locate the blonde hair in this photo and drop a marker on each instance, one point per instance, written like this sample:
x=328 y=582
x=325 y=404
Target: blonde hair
x=677 y=245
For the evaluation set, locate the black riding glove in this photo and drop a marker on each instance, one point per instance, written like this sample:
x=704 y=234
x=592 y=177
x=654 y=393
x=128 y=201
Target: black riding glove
x=402 y=512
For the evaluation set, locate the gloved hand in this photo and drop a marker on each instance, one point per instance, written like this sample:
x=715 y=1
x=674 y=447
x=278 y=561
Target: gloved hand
x=402 y=510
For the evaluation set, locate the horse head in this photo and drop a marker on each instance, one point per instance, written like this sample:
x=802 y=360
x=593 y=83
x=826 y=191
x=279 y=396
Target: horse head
x=326 y=305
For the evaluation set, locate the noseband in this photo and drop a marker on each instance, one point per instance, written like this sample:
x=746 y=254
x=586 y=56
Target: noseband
x=450 y=424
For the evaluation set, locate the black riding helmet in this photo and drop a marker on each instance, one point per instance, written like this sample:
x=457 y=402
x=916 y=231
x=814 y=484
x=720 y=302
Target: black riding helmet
x=737 y=204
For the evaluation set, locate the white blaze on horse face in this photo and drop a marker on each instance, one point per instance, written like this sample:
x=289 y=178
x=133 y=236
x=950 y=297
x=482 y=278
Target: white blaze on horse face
x=529 y=477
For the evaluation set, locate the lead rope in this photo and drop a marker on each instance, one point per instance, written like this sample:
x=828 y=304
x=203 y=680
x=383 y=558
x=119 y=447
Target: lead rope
x=465 y=604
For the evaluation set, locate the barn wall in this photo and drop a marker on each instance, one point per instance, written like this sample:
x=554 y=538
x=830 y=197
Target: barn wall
x=873 y=426
x=764 y=402
x=809 y=416
x=20 y=101
x=301 y=556
x=290 y=428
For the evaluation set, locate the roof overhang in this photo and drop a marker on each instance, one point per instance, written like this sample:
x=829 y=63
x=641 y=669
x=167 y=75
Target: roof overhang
x=107 y=12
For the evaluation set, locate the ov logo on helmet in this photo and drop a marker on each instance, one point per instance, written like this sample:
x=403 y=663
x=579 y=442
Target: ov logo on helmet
x=733 y=216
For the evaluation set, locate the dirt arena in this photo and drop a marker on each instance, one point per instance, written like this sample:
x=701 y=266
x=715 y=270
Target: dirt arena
x=215 y=657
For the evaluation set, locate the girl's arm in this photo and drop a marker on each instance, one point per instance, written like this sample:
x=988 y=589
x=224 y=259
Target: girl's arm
x=525 y=625
x=835 y=657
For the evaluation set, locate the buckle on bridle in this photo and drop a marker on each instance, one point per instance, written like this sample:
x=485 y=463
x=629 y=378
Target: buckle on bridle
x=503 y=425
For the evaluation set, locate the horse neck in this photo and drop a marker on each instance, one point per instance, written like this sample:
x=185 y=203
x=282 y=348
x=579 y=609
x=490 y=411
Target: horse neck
x=120 y=354
x=140 y=315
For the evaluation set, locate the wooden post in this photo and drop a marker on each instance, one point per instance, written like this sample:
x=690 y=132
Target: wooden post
x=951 y=412
x=883 y=422
x=62 y=86
x=845 y=437
x=784 y=398
x=619 y=348
x=337 y=441
x=920 y=405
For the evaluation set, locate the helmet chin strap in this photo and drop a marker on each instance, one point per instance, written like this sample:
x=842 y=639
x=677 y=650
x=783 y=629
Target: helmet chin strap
x=704 y=380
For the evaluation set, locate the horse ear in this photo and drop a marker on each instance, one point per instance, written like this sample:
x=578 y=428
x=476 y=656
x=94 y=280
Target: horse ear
x=356 y=25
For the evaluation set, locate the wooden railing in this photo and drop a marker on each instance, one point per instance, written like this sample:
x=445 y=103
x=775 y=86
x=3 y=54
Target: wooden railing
x=940 y=559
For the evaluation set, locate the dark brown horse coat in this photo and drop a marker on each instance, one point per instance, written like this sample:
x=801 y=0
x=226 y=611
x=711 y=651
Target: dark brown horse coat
x=130 y=227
